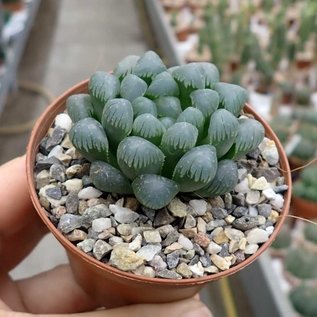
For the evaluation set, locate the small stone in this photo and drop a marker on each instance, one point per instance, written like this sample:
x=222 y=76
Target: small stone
x=136 y=244
x=234 y=246
x=194 y=260
x=165 y=230
x=205 y=260
x=158 y=263
x=173 y=247
x=152 y=236
x=228 y=201
x=273 y=216
x=185 y=242
x=56 y=151
x=125 y=229
x=46 y=163
x=240 y=257
x=219 y=213
x=145 y=271
x=115 y=240
x=52 y=201
x=100 y=224
x=239 y=199
x=214 y=224
x=212 y=269
x=280 y=181
x=243 y=186
x=224 y=250
x=198 y=249
x=270 y=174
x=246 y=223
x=132 y=203
x=269 y=193
x=230 y=219
x=240 y=212
x=220 y=262
x=92 y=234
x=269 y=230
x=149 y=251
x=44 y=202
x=172 y=259
x=162 y=218
x=123 y=215
x=242 y=244
x=252 y=197
x=82 y=206
x=150 y=213
x=233 y=234
x=264 y=210
x=72 y=203
x=127 y=239
x=189 y=233
x=177 y=208
x=106 y=234
x=254 y=154
x=86 y=245
x=74 y=185
x=74 y=154
x=42 y=179
x=89 y=192
x=257 y=235
x=197 y=269
x=260 y=184
x=63 y=121
x=189 y=254
x=242 y=173
x=171 y=238
x=201 y=225
x=280 y=189
x=101 y=248
x=213 y=248
x=56 y=138
x=59 y=211
x=168 y=274
x=217 y=202
x=73 y=170
x=277 y=202
x=141 y=228
x=253 y=212
x=190 y=222
x=184 y=270
x=66 y=143
x=68 y=223
x=77 y=235
x=95 y=212
x=54 y=193
x=269 y=151
x=218 y=235
x=93 y=202
x=202 y=239
x=125 y=259
x=199 y=205
x=251 y=249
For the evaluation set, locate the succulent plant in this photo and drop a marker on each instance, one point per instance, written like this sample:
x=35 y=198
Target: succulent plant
x=283 y=239
x=301 y=264
x=303 y=299
x=306 y=185
x=154 y=132
x=310 y=232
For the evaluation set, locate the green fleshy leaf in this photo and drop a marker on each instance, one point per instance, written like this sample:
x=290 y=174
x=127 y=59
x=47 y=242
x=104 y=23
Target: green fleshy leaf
x=142 y=105
x=167 y=122
x=168 y=106
x=189 y=78
x=193 y=116
x=90 y=139
x=126 y=66
x=171 y=69
x=163 y=85
x=109 y=179
x=117 y=119
x=303 y=298
x=210 y=73
x=132 y=87
x=206 y=100
x=154 y=191
x=79 y=107
x=148 y=127
x=196 y=168
x=102 y=87
x=222 y=131
x=250 y=135
x=149 y=65
x=232 y=97
x=138 y=156
x=225 y=180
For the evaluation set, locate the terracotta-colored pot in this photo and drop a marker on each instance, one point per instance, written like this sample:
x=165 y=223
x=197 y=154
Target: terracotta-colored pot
x=304 y=208
x=104 y=281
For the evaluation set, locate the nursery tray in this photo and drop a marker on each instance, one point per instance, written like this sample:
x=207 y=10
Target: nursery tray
x=15 y=51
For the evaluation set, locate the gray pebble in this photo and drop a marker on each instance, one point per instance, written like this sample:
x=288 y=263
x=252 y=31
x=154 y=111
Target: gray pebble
x=172 y=259
x=194 y=260
x=149 y=251
x=171 y=238
x=240 y=256
x=93 y=213
x=42 y=179
x=56 y=138
x=217 y=202
x=101 y=248
x=158 y=263
x=264 y=210
x=168 y=274
x=198 y=249
x=245 y=223
x=54 y=193
x=87 y=245
x=190 y=222
x=46 y=163
x=280 y=189
x=228 y=201
x=68 y=223
x=162 y=218
x=150 y=213
x=86 y=181
x=270 y=174
x=123 y=215
x=205 y=260
x=240 y=212
x=165 y=230
x=238 y=199
x=72 y=203
x=214 y=224
x=224 y=250
x=152 y=236
x=219 y=213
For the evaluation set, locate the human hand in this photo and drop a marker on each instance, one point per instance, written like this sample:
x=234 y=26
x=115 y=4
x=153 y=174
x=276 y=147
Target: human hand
x=54 y=293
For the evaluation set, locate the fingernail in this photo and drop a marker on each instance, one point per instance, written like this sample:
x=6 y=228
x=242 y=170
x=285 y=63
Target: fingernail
x=198 y=312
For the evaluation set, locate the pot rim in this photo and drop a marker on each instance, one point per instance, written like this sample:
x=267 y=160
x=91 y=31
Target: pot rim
x=32 y=148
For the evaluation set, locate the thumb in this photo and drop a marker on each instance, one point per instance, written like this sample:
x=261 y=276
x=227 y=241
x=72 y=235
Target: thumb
x=185 y=308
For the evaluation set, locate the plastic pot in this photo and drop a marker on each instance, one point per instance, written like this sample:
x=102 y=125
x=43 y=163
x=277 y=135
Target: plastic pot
x=104 y=281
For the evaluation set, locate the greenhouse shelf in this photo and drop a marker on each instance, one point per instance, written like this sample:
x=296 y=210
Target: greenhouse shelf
x=15 y=51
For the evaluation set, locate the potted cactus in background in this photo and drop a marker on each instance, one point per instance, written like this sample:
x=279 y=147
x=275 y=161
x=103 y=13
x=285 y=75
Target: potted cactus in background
x=303 y=299
x=157 y=180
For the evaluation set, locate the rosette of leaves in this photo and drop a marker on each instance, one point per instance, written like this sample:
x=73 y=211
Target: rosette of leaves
x=303 y=299
x=155 y=132
x=283 y=239
x=306 y=185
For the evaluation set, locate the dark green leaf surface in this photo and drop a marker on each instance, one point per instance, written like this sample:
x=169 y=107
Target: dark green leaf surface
x=90 y=139
x=154 y=191
x=79 y=107
x=196 y=168
x=109 y=179
x=138 y=156
x=132 y=87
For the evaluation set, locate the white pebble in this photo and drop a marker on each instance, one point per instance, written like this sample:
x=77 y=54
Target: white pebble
x=56 y=151
x=136 y=244
x=252 y=197
x=253 y=211
x=100 y=224
x=257 y=235
x=269 y=193
x=269 y=230
x=149 y=251
x=73 y=185
x=197 y=269
x=64 y=121
x=277 y=202
x=200 y=206
x=213 y=248
x=243 y=186
x=251 y=248
x=269 y=151
x=89 y=192
x=185 y=242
